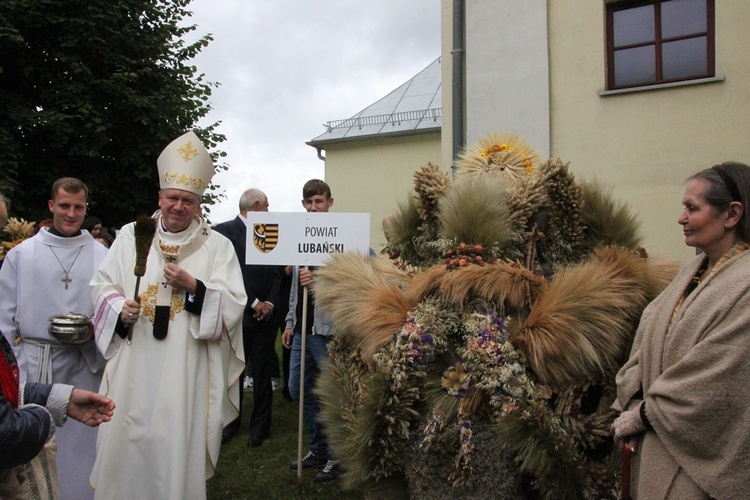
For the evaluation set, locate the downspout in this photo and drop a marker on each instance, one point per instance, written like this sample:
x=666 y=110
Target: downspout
x=458 y=82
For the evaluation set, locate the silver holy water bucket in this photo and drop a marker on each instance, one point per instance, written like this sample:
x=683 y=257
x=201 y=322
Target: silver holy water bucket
x=72 y=328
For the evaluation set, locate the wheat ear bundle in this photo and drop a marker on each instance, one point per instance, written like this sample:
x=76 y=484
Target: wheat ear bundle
x=145 y=228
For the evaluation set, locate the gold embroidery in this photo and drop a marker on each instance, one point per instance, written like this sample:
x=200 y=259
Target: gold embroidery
x=169 y=249
x=188 y=151
x=148 y=303
x=177 y=178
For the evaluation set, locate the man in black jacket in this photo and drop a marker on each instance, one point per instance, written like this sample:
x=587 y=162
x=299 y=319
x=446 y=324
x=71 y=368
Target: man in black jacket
x=259 y=325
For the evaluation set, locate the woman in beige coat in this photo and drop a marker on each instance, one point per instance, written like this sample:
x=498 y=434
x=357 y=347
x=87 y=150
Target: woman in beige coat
x=685 y=391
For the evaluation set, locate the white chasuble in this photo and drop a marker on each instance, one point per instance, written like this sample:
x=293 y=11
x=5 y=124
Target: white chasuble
x=172 y=395
x=44 y=276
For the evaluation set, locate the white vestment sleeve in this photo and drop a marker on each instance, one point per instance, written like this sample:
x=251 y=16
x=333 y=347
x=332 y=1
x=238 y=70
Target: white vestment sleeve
x=108 y=307
x=108 y=295
x=210 y=324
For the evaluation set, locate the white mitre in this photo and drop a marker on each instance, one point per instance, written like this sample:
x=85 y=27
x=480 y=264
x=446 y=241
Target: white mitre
x=185 y=164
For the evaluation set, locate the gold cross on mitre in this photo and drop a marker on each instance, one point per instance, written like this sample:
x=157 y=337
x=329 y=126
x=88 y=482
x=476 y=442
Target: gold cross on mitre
x=187 y=151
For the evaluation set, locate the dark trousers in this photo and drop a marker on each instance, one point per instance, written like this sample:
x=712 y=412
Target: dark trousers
x=275 y=371
x=259 y=339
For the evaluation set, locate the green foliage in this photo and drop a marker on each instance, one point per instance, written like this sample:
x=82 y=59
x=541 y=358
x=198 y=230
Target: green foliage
x=96 y=90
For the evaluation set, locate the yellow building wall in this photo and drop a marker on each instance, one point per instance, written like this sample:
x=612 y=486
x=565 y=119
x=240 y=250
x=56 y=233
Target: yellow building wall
x=644 y=144
x=374 y=176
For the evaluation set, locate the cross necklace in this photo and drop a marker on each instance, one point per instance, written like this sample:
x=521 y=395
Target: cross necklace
x=67 y=279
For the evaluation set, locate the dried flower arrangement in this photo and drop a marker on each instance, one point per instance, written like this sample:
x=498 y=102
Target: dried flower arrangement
x=488 y=373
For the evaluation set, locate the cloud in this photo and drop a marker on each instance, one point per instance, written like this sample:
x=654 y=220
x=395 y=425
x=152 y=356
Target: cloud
x=288 y=66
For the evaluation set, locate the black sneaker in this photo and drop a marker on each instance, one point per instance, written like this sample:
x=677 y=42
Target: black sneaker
x=310 y=461
x=329 y=473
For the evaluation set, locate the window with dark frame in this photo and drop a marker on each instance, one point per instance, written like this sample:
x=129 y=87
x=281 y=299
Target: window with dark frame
x=659 y=41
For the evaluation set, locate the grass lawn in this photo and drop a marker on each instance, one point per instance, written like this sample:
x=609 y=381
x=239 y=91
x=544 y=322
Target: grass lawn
x=263 y=472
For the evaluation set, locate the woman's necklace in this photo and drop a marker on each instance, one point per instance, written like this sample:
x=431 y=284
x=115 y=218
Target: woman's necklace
x=699 y=275
x=67 y=278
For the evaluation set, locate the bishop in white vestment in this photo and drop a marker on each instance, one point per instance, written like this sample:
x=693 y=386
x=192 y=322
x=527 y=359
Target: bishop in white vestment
x=170 y=355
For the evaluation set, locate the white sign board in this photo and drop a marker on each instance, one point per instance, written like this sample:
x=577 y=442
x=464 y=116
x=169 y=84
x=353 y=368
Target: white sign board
x=304 y=238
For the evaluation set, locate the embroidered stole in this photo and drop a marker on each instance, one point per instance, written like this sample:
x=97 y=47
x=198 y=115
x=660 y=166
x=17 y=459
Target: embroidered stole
x=175 y=254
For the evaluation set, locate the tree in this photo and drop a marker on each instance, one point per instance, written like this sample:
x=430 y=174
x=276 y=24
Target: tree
x=96 y=90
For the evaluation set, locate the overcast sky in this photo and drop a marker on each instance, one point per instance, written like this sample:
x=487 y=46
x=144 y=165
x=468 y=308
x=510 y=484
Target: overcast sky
x=288 y=66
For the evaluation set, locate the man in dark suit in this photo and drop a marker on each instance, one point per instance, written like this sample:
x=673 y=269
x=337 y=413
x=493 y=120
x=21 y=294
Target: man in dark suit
x=259 y=325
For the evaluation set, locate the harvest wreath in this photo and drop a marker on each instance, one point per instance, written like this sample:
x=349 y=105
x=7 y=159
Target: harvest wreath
x=482 y=364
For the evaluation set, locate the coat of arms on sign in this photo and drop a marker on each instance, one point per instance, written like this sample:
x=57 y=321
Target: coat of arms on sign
x=265 y=236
